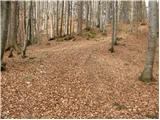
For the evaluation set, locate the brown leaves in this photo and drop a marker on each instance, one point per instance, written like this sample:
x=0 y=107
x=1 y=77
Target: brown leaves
x=80 y=79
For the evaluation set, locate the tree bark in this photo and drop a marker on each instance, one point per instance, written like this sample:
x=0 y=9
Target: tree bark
x=87 y=15
x=57 y=19
x=109 y=11
x=68 y=18
x=13 y=29
x=30 y=23
x=113 y=27
x=116 y=25
x=5 y=8
x=124 y=11
x=71 y=19
x=99 y=14
x=80 y=12
x=62 y=18
x=146 y=75
x=24 y=33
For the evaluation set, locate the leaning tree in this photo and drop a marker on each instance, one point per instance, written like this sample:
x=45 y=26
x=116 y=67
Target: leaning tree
x=153 y=17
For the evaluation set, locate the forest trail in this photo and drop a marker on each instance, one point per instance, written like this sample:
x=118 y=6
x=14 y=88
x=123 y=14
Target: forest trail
x=80 y=79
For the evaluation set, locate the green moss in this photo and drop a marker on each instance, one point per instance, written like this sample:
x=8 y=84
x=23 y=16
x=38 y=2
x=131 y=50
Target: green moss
x=146 y=77
x=152 y=116
x=65 y=38
x=143 y=79
x=3 y=66
x=104 y=33
x=60 y=40
x=119 y=106
x=118 y=38
x=28 y=78
x=90 y=34
x=68 y=37
x=111 y=50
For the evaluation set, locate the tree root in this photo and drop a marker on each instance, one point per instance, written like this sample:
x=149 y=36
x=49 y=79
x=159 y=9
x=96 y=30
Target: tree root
x=3 y=66
x=111 y=50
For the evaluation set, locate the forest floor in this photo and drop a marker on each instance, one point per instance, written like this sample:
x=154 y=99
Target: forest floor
x=81 y=79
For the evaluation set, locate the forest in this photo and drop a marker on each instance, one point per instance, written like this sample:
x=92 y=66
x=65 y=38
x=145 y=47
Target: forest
x=95 y=59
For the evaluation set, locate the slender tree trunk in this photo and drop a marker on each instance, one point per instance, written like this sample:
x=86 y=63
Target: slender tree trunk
x=113 y=27
x=37 y=17
x=146 y=75
x=5 y=8
x=90 y=11
x=55 y=27
x=28 y=35
x=65 y=18
x=57 y=19
x=62 y=18
x=116 y=12
x=71 y=18
x=24 y=46
x=68 y=17
x=80 y=11
x=25 y=34
x=109 y=11
x=47 y=18
x=30 y=22
x=102 y=16
x=94 y=14
x=124 y=11
x=87 y=15
x=99 y=14
x=132 y=16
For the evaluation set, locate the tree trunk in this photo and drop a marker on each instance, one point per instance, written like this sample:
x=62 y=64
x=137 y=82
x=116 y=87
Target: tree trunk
x=80 y=12
x=30 y=23
x=68 y=17
x=57 y=19
x=87 y=14
x=71 y=19
x=62 y=18
x=113 y=27
x=47 y=18
x=13 y=29
x=109 y=11
x=146 y=75
x=5 y=8
x=116 y=12
x=24 y=33
x=124 y=11
x=99 y=14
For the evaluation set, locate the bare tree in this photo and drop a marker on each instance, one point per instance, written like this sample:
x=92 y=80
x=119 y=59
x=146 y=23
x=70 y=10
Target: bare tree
x=87 y=14
x=124 y=11
x=91 y=14
x=68 y=18
x=113 y=27
x=109 y=11
x=99 y=14
x=57 y=19
x=116 y=24
x=30 y=23
x=24 y=32
x=71 y=18
x=62 y=19
x=80 y=15
x=153 y=17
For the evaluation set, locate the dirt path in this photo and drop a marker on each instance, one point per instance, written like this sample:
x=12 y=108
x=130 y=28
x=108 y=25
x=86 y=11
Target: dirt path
x=80 y=79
